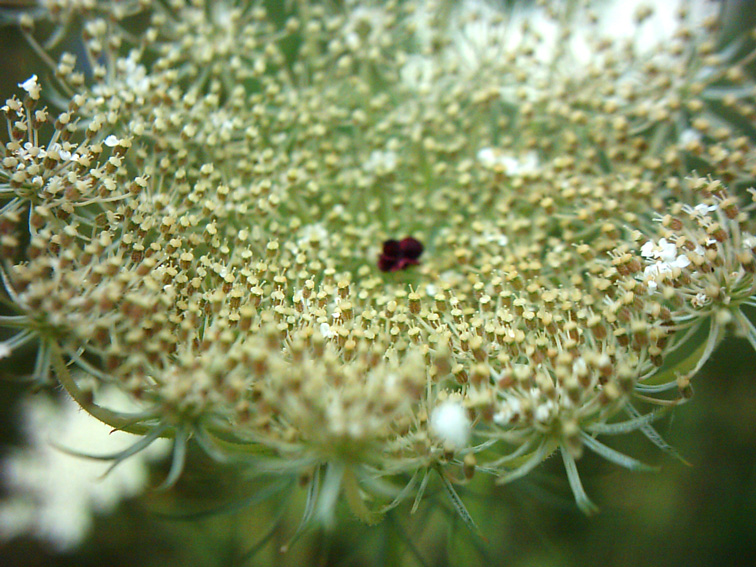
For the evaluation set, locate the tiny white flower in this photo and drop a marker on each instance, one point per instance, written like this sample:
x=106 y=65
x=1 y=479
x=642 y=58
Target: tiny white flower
x=365 y=27
x=543 y=412
x=700 y=300
x=666 y=251
x=579 y=366
x=647 y=250
x=312 y=233
x=326 y=331
x=417 y=73
x=663 y=258
x=31 y=86
x=509 y=410
x=487 y=156
x=381 y=162
x=512 y=164
x=302 y=299
x=352 y=40
x=221 y=14
x=450 y=423
x=700 y=210
x=682 y=261
x=111 y=141
x=688 y=136
x=130 y=77
x=5 y=350
x=703 y=209
x=500 y=239
x=655 y=270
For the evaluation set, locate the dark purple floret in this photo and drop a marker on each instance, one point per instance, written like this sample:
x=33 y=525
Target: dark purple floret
x=411 y=248
x=392 y=248
x=399 y=254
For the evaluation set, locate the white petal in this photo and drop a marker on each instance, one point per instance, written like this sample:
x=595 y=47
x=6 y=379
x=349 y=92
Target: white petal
x=647 y=250
x=682 y=261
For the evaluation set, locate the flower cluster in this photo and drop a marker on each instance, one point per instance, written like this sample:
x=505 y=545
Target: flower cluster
x=195 y=220
x=54 y=493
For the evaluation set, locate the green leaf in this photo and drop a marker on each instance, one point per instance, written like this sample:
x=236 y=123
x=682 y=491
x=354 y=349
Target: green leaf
x=458 y=505
x=355 y=500
x=691 y=362
x=581 y=498
x=615 y=456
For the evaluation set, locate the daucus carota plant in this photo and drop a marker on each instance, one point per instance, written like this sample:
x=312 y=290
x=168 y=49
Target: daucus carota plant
x=361 y=244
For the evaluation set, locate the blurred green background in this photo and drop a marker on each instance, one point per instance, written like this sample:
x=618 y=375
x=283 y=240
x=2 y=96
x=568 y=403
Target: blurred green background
x=698 y=515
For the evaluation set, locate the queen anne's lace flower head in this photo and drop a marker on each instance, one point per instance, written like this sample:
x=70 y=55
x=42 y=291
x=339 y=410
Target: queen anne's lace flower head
x=367 y=242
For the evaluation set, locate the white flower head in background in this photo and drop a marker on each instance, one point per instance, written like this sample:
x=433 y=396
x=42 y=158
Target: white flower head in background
x=53 y=495
x=655 y=22
x=481 y=33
